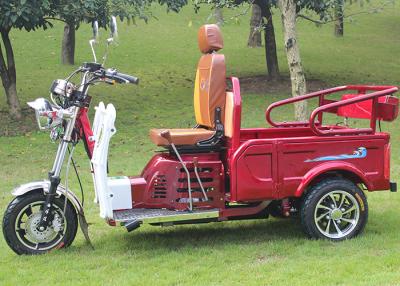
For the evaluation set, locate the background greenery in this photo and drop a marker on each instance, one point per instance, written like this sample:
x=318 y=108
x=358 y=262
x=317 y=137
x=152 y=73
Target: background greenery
x=164 y=55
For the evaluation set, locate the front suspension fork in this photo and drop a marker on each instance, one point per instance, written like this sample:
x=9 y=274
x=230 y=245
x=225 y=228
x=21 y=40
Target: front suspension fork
x=47 y=212
x=54 y=176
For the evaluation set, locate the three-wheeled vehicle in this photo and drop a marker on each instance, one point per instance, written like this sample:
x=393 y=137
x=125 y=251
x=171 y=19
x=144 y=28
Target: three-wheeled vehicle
x=215 y=171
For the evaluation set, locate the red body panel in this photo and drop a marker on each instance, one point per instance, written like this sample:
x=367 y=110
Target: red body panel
x=83 y=124
x=277 y=168
x=261 y=164
x=364 y=109
x=167 y=186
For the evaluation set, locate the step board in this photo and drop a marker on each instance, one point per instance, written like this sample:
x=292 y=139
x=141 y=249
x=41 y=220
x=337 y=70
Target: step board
x=163 y=215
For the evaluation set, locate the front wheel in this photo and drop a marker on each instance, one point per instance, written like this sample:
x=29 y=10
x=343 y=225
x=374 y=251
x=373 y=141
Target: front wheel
x=334 y=209
x=21 y=220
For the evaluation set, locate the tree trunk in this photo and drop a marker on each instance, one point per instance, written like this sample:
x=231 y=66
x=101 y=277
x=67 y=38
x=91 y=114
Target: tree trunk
x=256 y=23
x=339 y=15
x=297 y=78
x=219 y=17
x=68 y=44
x=270 y=45
x=9 y=76
x=13 y=101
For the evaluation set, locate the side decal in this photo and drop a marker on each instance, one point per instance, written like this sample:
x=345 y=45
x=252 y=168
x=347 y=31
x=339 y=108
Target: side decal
x=360 y=153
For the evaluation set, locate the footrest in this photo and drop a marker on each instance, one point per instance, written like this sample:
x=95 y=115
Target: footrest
x=163 y=215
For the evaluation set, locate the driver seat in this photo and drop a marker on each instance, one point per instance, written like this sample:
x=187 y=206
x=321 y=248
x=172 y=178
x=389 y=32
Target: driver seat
x=209 y=95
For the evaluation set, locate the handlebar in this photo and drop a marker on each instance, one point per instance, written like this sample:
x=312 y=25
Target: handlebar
x=120 y=77
x=110 y=74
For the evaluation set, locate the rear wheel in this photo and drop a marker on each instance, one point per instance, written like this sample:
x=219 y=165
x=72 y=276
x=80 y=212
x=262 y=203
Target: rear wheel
x=335 y=209
x=21 y=221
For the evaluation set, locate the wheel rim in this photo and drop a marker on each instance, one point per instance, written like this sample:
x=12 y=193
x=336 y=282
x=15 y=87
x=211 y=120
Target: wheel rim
x=28 y=234
x=337 y=214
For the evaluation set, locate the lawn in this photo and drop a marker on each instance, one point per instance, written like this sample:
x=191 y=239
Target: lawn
x=164 y=55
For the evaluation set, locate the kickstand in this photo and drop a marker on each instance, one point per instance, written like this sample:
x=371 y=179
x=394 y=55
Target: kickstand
x=85 y=229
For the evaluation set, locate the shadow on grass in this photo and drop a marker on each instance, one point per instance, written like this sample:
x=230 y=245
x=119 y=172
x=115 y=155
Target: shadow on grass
x=214 y=235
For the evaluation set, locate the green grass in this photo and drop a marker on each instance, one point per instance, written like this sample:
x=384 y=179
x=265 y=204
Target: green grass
x=164 y=55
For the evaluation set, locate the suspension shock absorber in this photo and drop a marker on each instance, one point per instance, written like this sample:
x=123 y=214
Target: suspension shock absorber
x=285 y=207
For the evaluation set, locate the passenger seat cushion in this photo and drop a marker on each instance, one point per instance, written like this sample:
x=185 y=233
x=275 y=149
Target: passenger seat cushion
x=181 y=136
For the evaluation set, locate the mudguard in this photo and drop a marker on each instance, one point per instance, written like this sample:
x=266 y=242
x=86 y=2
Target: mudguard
x=332 y=166
x=61 y=191
x=44 y=185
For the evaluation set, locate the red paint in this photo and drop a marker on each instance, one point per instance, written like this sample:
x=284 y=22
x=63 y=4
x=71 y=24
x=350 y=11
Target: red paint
x=111 y=222
x=138 y=188
x=386 y=170
x=387 y=110
x=83 y=124
x=261 y=164
x=167 y=185
x=233 y=143
x=364 y=109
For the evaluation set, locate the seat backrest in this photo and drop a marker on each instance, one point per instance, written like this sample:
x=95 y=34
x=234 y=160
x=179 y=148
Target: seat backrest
x=210 y=85
x=229 y=113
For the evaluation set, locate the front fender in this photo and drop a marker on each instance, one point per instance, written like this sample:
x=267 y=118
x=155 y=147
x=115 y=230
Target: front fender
x=44 y=185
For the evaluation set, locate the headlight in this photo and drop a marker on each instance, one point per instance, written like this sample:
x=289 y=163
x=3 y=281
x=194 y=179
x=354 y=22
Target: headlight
x=46 y=114
x=62 y=88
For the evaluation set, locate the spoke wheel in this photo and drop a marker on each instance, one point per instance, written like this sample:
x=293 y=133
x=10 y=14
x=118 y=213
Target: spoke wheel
x=336 y=214
x=27 y=227
x=21 y=225
x=335 y=209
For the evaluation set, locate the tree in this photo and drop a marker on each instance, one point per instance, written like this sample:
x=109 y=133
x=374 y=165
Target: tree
x=75 y=12
x=289 y=10
x=339 y=18
x=271 y=55
x=23 y=15
x=219 y=17
x=72 y=13
x=33 y=14
x=261 y=20
x=256 y=23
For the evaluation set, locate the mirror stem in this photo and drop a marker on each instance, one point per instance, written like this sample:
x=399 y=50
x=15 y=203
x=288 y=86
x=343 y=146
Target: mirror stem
x=91 y=42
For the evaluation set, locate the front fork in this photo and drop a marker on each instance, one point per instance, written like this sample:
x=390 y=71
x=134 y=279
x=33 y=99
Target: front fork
x=54 y=174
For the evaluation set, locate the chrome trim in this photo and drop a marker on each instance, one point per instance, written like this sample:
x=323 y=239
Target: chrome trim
x=182 y=217
x=338 y=211
x=44 y=185
x=162 y=215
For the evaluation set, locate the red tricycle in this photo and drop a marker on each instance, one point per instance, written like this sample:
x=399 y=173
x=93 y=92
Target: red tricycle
x=215 y=171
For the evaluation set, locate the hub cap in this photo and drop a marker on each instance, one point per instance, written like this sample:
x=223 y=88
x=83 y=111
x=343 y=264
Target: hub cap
x=337 y=214
x=28 y=233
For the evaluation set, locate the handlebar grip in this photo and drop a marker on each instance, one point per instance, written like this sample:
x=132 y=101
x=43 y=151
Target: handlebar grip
x=129 y=78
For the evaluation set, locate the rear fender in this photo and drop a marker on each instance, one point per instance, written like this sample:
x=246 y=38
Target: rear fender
x=329 y=167
x=44 y=186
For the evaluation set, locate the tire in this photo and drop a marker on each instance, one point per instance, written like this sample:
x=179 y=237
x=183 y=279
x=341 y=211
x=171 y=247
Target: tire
x=334 y=209
x=27 y=239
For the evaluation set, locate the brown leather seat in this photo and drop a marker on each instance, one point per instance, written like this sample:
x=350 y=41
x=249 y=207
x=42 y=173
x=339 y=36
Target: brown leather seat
x=209 y=92
x=181 y=136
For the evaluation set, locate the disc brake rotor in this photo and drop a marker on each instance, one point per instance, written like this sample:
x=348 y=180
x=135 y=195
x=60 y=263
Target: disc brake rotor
x=36 y=235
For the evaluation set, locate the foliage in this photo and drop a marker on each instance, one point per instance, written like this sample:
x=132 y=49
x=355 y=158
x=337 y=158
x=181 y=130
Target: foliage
x=24 y=14
x=323 y=8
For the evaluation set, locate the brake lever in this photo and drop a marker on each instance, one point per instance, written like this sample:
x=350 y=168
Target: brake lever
x=108 y=81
